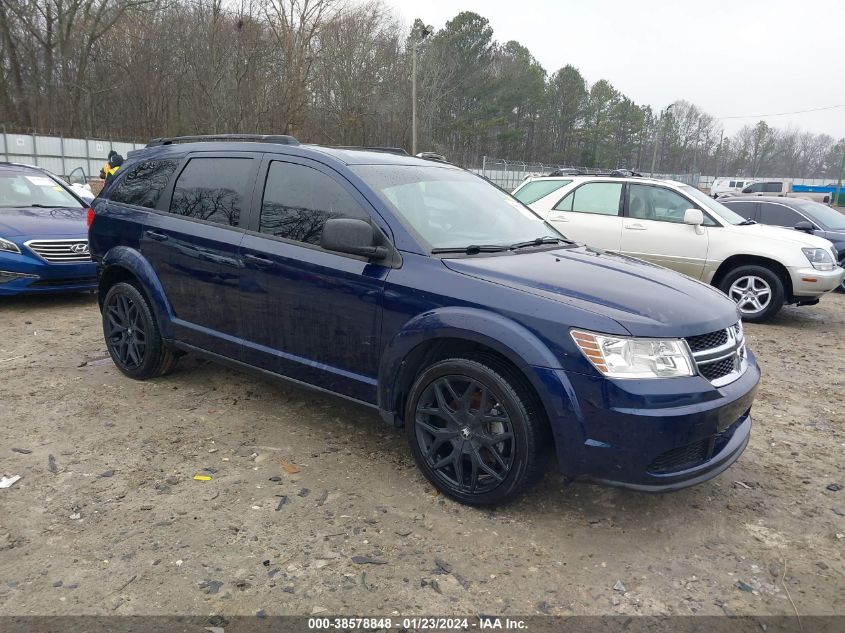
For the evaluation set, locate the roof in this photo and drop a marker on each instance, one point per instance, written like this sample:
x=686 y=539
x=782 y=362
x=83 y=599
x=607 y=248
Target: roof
x=346 y=156
x=637 y=179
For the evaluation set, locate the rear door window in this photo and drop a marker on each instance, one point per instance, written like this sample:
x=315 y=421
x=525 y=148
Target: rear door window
x=298 y=200
x=143 y=185
x=602 y=198
x=533 y=191
x=744 y=208
x=214 y=189
x=778 y=215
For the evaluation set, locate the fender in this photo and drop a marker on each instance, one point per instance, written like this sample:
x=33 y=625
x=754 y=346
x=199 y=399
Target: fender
x=510 y=339
x=135 y=263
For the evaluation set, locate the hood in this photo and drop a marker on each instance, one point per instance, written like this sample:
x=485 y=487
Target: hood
x=37 y=223
x=646 y=300
x=779 y=233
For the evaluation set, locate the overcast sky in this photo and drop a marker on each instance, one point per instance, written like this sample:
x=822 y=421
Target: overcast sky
x=731 y=58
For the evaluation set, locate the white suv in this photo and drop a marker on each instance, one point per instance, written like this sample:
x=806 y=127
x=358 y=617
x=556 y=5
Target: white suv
x=677 y=226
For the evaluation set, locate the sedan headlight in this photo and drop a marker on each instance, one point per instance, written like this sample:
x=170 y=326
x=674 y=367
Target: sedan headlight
x=625 y=357
x=9 y=247
x=820 y=258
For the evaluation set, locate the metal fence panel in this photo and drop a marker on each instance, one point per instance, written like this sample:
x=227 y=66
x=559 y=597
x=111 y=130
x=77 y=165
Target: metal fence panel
x=19 y=144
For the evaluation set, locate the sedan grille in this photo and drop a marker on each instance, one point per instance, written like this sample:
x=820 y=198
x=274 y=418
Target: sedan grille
x=720 y=356
x=61 y=251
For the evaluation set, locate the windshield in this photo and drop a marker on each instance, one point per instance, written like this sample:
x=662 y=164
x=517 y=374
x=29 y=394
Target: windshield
x=830 y=219
x=451 y=208
x=717 y=208
x=32 y=189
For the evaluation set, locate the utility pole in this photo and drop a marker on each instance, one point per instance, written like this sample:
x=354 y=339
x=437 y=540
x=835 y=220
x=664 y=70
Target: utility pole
x=838 y=198
x=424 y=34
x=657 y=135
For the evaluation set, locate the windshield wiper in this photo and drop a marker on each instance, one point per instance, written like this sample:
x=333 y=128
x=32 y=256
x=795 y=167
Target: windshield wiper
x=472 y=249
x=547 y=239
x=41 y=206
x=746 y=223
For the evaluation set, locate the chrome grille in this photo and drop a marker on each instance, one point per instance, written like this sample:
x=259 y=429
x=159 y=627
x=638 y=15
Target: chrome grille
x=720 y=356
x=61 y=251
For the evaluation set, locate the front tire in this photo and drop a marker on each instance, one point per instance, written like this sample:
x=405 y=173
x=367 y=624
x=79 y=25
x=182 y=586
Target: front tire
x=475 y=430
x=132 y=336
x=758 y=292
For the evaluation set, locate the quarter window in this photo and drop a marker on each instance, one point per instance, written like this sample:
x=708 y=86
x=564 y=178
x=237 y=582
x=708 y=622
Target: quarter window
x=537 y=189
x=143 y=185
x=213 y=189
x=298 y=200
x=594 y=197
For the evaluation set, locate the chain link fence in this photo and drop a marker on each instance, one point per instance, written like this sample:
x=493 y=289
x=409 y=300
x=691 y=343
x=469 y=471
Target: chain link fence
x=509 y=174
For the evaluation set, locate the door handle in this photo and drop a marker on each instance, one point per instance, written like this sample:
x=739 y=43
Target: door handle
x=155 y=235
x=261 y=262
x=636 y=226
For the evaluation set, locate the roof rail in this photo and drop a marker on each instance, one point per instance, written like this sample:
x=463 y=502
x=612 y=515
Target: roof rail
x=576 y=171
x=386 y=150
x=281 y=139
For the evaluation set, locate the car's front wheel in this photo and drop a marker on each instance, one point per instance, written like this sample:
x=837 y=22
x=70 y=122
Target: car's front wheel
x=757 y=291
x=475 y=430
x=132 y=335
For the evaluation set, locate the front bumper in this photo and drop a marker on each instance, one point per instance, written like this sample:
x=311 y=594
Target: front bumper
x=649 y=435
x=811 y=283
x=26 y=273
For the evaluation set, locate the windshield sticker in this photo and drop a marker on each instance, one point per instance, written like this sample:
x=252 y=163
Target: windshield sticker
x=41 y=181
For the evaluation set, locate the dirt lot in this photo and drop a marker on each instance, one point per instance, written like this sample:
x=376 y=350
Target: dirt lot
x=118 y=525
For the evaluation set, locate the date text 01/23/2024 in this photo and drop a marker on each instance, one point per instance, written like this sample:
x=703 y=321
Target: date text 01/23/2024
x=417 y=623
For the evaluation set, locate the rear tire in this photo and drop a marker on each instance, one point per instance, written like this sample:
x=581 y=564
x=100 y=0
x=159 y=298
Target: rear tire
x=758 y=291
x=475 y=430
x=132 y=336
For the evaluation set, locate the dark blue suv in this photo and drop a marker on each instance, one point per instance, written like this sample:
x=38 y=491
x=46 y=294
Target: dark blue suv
x=427 y=293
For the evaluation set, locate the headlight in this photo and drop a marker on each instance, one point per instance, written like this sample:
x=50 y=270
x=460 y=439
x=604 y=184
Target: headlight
x=622 y=357
x=820 y=258
x=9 y=247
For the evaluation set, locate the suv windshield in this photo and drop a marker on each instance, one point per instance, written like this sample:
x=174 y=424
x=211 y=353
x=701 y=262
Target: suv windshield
x=829 y=219
x=451 y=208
x=20 y=189
x=717 y=208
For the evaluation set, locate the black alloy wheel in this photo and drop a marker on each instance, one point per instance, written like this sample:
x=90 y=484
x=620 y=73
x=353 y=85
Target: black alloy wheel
x=132 y=335
x=474 y=432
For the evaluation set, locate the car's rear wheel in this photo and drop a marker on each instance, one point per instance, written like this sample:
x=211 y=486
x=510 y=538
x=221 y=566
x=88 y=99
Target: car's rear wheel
x=475 y=430
x=757 y=291
x=132 y=335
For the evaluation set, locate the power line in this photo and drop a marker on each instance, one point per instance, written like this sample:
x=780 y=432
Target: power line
x=761 y=116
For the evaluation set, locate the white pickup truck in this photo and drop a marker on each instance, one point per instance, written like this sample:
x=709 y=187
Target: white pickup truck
x=784 y=189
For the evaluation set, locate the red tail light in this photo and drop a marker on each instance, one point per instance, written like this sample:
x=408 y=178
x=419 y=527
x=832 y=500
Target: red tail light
x=90 y=217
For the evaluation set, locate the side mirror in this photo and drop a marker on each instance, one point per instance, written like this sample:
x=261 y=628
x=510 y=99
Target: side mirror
x=694 y=217
x=356 y=237
x=805 y=226
x=747 y=190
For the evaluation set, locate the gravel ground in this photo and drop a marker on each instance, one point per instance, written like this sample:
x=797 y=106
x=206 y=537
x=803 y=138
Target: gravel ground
x=315 y=506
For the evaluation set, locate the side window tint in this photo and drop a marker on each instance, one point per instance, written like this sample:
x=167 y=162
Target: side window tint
x=143 y=185
x=597 y=197
x=773 y=187
x=213 y=189
x=298 y=200
x=656 y=203
x=778 y=215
